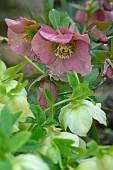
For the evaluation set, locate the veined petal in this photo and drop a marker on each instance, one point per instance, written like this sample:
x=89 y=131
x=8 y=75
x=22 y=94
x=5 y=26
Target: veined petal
x=53 y=36
x=43 y=49
x=80 y=61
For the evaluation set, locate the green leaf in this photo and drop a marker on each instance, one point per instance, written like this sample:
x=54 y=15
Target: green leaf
x=48 y=6
x=77 y=6
x=5 y=122
x=81 y=92
x=38 y=113
x=16 y=116
x=91 y=77
x=93 y=149
x=19 y=87
x=2 y=68
x=54 y=17
x=72 y=79
x=102 y=98
x=30 y=146
x=98 y=58
x=65 y=147
x=17 y=140
x=49 y=96
x=64 y=20
x=13 y=70
x=38 y=132
x=5 y=165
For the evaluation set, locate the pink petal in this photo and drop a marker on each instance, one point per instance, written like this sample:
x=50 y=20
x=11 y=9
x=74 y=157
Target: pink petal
x=43 y=49
x=19 y=44
x=57 y=67
x=15 y=26
x=83 y=37
x=41 y=97
x=26 y=21
x=80 y=61
x=53 y=36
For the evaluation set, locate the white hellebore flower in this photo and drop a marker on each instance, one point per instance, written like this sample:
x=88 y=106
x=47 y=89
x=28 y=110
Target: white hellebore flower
x=29 y=162
x=78 y=116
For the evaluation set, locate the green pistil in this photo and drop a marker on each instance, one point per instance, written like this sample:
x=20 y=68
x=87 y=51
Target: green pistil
x=30 y=31
x=63 y=51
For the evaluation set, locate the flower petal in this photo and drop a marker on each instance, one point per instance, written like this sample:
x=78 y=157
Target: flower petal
x=43 y=49
x=15 y=26
x=19 y=44
x=83 y=37
x=53 y=36
x=80 y=61
x=57 y=67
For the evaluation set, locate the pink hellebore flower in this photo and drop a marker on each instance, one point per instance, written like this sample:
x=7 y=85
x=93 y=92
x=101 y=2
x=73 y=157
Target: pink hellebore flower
x=62 y=52
x=20 y=34
x=99 y=15
x=41 y=97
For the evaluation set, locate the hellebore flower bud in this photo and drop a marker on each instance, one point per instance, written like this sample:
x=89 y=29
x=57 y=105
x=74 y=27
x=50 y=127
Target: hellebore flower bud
x=97 y=35
x=108 y=69
x=41 y=97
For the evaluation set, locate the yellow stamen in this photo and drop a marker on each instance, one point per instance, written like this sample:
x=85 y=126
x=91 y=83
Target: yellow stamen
x=63 y=51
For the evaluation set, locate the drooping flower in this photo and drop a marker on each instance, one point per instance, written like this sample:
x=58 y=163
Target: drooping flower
x=50 y=86
x=108 y=69
x=20 y=34
x=62 y=52
x=97 y=35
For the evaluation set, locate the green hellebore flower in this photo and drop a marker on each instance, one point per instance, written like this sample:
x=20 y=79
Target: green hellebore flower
x=78 y=116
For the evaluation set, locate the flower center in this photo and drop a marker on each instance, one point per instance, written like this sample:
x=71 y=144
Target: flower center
x=30 y=31
x=63 y=51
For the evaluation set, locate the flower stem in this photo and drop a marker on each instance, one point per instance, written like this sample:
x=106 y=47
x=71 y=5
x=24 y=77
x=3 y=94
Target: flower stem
x=59 y=103
x=33 y=65
x=94 y=132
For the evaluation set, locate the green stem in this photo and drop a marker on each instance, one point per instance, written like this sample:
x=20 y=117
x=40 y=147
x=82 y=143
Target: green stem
x=59 y=103
x=94 y=132
x=33 y=65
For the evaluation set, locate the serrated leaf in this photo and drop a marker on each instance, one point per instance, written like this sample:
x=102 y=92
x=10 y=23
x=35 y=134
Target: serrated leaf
x=81 y=92
x=17 y=140
x=38 y=113
x=54 y=17
x=13 y=70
